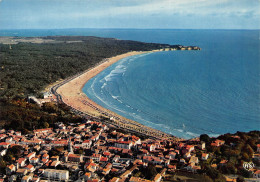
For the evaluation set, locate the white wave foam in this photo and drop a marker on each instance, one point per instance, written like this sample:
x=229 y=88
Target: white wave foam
x=115 y=97
x=109 y=105
x=179 y=130
x=118 y=109
x=103 y=86
x=121 y=68
x=120 y=101
x=118 y=70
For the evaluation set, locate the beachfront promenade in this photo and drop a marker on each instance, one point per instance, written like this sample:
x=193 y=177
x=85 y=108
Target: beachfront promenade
x=84 y=106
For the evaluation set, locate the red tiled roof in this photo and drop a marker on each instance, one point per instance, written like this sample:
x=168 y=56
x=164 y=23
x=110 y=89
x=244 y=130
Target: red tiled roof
x=103 y=159
x=74 y=156
x=29 y=155
x=44 y=160
x=86 y=141
x=171 y=166
x=88 y=174
x=124 y=142
x=96 y=155
x=106 y=153
x=257 y=172
x=93 y=180
x=4 y=143
x=204 y=154
x=20 y=160
x=11 y=166
x=45 y=155
x=30 y=166
x=223 y=161
x=61 y=142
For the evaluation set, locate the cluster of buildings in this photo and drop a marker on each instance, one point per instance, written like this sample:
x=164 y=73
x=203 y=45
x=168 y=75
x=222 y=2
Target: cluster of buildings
x=47 y=97
x=180 y=47
x=93 y=152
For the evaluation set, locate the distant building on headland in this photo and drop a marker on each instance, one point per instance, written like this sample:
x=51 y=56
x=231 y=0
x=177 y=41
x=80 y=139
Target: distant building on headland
x=189 y=48
x=180 y=47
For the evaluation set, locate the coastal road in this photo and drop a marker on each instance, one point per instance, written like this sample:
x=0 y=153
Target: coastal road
x=113 y=119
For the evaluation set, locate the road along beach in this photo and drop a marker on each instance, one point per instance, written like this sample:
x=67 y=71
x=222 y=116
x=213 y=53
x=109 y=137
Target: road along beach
x=70 y=92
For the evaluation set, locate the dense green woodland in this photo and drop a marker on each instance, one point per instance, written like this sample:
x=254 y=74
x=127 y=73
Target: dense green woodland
x=27 y=67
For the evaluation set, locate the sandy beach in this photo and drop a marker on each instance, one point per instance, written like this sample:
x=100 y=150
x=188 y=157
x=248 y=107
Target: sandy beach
x=72 y=95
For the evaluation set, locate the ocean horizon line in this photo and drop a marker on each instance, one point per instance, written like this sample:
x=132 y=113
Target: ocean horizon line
x=4 y=29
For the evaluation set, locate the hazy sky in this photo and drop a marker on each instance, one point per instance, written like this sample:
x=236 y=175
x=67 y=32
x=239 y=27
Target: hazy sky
x=193 y=14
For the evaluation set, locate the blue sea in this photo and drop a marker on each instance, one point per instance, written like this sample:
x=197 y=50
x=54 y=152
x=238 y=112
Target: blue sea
x=184 y=93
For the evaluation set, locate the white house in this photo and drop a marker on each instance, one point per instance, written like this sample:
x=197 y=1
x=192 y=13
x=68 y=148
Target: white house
x=56 y=174
x=187 y=155
x=87 y=143
x=204 y=156
x=31 y=155
x=30 y=168
x=34 y=160
x=202 y=146
x=21 y=162
x=3 y=152
x=124 y=144
x=172 y=155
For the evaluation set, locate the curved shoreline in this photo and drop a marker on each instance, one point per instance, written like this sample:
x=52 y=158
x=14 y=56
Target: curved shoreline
x=70 y=91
